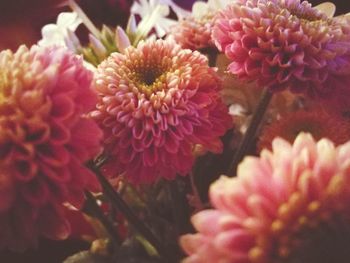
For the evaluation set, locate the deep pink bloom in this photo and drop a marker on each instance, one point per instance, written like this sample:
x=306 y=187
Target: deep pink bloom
x=157 y=101
x=319 y=123
x=286 y=45
x=288 y=205
x=44 y=141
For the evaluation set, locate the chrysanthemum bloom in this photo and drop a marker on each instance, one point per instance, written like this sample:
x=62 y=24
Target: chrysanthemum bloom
x=44 y=141
x=289 y=205
x=285 y=45
x=194 y=31
x=157 y=101
x=317 y=122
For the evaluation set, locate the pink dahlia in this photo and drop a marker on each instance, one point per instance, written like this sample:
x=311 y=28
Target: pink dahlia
x=157 y=101
x=289 y=205
x=286 y=45
x=44 y=141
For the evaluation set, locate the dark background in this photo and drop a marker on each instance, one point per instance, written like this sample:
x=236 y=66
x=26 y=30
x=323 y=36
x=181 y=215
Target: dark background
x=22 y=20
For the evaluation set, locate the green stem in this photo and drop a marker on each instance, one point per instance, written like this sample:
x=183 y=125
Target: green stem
x=251 y=131
x=123 y=207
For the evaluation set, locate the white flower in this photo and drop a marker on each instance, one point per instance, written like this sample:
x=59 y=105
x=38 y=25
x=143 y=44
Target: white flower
x=154 y=14
x=61 y=33
x=202 y=9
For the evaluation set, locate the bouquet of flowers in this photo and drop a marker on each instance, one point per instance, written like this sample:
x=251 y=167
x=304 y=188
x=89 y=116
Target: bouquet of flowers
x=220 y=134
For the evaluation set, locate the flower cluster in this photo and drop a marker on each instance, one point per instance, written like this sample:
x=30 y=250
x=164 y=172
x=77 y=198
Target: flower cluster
x=118 y=134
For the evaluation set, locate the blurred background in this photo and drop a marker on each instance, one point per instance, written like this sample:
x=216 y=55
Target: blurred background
x=22 y=20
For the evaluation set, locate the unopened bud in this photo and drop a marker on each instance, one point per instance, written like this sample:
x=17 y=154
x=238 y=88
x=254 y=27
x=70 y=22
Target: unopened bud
x=97 y=47
x=121 y=39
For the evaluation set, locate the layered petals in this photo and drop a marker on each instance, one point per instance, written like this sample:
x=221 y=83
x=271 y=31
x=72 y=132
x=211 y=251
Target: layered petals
x=286 y=45
x=290 y=204
x=156 y=102
x=45 y=139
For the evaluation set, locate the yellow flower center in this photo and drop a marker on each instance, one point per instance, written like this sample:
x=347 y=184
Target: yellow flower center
x=149 y=76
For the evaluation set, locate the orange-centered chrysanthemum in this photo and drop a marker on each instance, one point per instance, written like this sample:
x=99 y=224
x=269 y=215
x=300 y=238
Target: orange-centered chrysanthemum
x=156 y=102
x=317 y=122
x=288 y=205
x=286 y=44
x=44 y=142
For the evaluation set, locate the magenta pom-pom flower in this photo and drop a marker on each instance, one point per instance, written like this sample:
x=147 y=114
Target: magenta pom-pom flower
x=44 y=141
x=286 y=44
x=157 y=101
x=288 y=205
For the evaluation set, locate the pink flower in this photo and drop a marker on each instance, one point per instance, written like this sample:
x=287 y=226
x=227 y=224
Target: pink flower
x=319 y=123
x=157 y=101
x=289 y=205
x=286 y=45
x=194 y=31
x=44 y=141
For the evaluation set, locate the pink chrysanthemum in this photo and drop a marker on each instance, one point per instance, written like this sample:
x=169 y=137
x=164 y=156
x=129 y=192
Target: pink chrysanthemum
x=286 y=44
x=289 y=205
x=157 y=101
x=44 y=141
x=318 y=123
x=194 y=33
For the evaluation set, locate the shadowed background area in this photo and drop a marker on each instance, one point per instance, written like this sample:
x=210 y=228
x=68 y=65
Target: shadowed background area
x=22 y=20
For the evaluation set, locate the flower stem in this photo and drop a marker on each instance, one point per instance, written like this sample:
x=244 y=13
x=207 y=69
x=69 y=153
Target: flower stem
x=197 y=198
x=87 y=22
x=251 y=131
x=178 y=204
x=118 y=202
x=92 y=207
